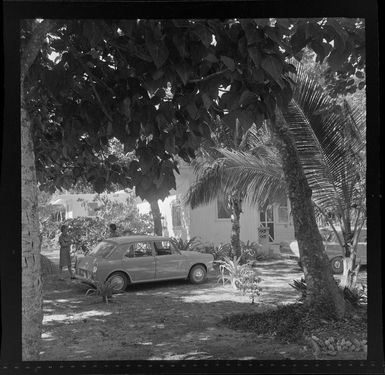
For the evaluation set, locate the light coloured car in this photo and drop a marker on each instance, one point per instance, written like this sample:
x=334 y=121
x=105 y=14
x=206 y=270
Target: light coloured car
x=140 y=259
x=334 y=251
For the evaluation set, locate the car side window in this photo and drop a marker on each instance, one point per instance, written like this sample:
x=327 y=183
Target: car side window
x=142 y=249
x=164 y=248
x=130 y=251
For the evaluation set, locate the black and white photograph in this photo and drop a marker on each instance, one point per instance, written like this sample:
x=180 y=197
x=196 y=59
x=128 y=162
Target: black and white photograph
x=194 y=188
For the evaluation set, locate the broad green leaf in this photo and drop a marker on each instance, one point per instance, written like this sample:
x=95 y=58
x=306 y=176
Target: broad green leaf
x=211 y=58
x=100 y=184
x=204 y=34
x=183 y=72
x=158 y=74
x=246 y=119
x=193 y=111
x=228 y=62
x=335 y=60
x=157 y=49
x=247 y=97
x=206 y=100
x=273 y=66
x=255 y=55
x=169 y=144
x=230 y=119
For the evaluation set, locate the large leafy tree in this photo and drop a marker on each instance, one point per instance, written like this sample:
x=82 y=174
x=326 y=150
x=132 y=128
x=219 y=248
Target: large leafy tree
x=109 y=80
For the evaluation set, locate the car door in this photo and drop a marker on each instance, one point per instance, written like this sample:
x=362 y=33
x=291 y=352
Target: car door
x=169 y=262
x=139 y=261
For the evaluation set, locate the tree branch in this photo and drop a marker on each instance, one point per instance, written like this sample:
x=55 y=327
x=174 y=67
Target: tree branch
x=100 y=102
x=208 y=77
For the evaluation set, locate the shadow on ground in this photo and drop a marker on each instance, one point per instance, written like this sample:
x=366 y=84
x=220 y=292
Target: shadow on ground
x=173 y=320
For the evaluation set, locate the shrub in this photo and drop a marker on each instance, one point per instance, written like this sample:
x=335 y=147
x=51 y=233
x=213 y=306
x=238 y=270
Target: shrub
x=286 y=322
x=185 y=245
x=105 y=290
x=249 y=283
x=231 y=271
x=241 y=277
x=250 y=251
x=356 y=296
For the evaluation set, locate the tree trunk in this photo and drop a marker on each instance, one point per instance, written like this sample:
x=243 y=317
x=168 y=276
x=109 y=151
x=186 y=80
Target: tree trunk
x=350 y=273
x=236 y=206
x=157 y=217
x=32 y=314
x=322 y=289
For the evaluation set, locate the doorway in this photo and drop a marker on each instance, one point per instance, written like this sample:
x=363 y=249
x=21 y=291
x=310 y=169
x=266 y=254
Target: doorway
x=266 y=219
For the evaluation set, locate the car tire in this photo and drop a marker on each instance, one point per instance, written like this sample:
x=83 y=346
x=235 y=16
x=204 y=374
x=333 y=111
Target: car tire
x=121 y=281
x=337 y=264
x=197 y=274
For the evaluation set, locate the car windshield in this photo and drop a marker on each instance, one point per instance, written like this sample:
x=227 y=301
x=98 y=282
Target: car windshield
x=102 y=249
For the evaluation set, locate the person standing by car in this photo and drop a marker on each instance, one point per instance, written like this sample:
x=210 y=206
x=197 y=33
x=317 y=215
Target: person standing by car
x=65 y=252
x=113 y=231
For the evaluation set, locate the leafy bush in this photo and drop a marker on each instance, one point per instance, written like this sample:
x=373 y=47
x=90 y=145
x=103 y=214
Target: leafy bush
x=251 y=251
x=105 y=290
x=184 y=245
x=231 y=271
x=86 y=232
x=356 y=296
x=286 y=322
x=249 y=283
x=218 y=252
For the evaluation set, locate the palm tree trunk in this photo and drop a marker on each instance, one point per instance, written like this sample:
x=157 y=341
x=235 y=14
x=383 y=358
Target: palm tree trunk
x=321 y=287
x=32 y=314
x=157 y=217
x=236 y=205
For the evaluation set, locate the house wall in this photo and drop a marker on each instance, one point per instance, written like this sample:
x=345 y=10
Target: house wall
x=203 y=221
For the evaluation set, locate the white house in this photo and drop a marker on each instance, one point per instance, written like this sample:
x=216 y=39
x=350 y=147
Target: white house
x=75 y=205
x=210 y=223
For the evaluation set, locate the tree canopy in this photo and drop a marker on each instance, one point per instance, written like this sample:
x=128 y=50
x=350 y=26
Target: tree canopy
x=157 y=85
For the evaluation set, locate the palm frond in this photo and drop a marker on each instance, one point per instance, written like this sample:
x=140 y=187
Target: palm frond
x=259 y=178
x=330 y=139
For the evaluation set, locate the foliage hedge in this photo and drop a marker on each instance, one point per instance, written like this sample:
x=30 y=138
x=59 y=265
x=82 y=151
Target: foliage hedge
x=86 y=232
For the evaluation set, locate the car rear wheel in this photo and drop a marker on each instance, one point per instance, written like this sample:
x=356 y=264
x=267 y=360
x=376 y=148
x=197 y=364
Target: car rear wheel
x=119 y=282
x=337 y=264
x=197 y=274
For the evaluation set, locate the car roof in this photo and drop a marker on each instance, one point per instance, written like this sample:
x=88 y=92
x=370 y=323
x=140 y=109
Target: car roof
x=127 y=239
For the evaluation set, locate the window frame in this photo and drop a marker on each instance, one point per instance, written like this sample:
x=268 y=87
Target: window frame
x=176 y=206
x=222 y=198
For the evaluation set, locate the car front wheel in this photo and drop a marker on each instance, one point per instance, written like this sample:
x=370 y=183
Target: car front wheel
x=337 y=264
x=119 y=282
x=197 y=274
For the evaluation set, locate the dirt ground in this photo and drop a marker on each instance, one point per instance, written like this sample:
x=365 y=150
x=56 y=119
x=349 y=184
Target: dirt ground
x=172 y=320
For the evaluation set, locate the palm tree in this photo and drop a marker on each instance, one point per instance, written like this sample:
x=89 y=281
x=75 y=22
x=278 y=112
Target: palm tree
x=259 y=177
x=206 y=168
x=330 y=139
